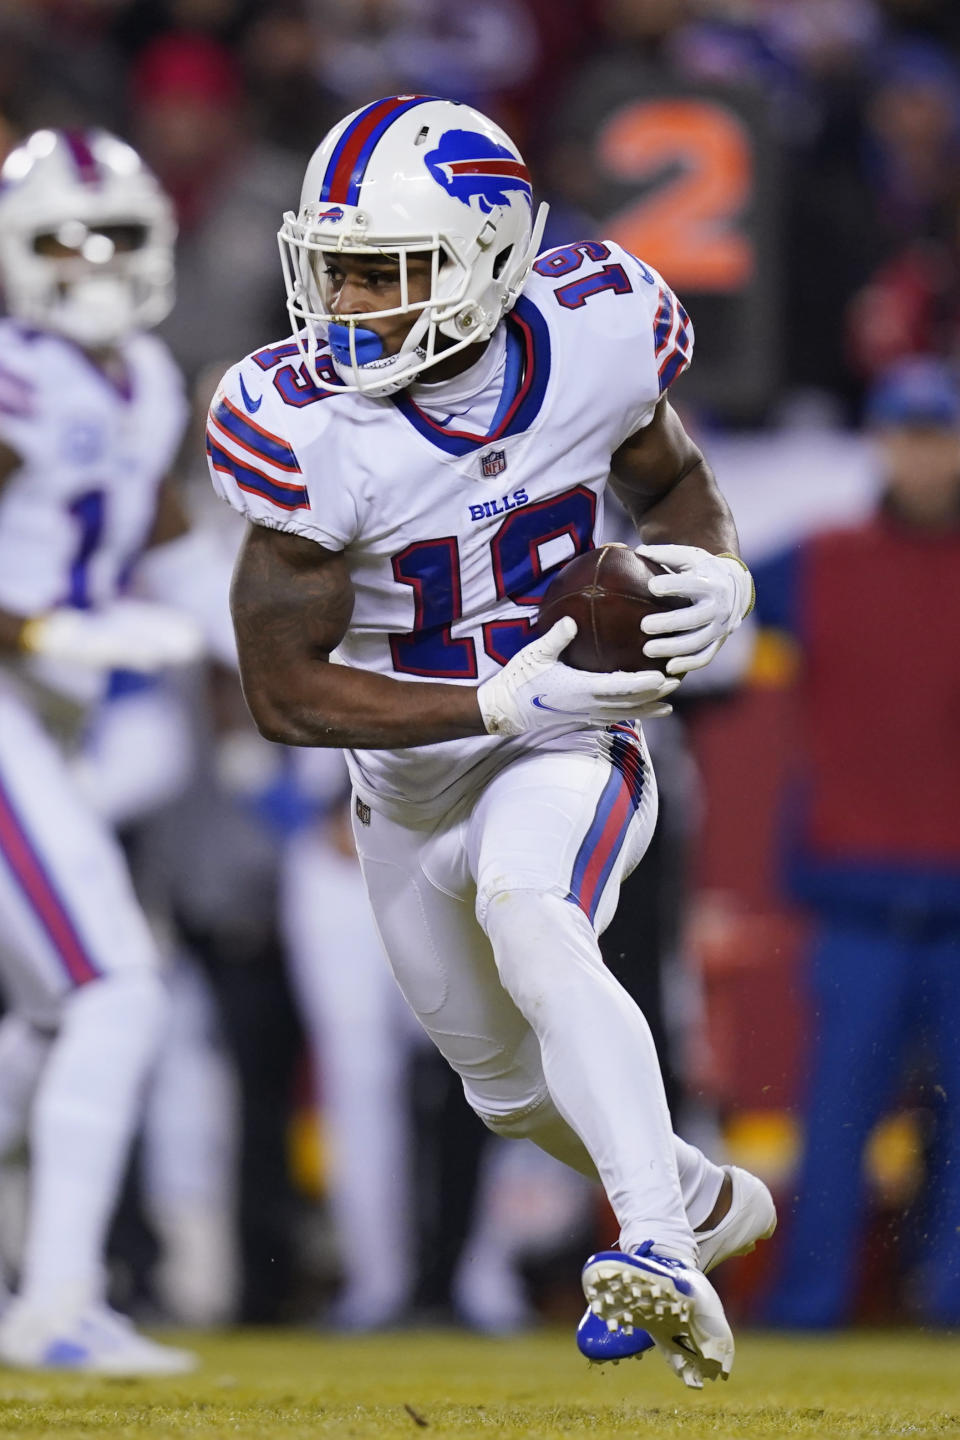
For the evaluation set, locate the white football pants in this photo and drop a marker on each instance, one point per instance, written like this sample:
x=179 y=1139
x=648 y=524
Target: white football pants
x=490 y=921
x=78 y=966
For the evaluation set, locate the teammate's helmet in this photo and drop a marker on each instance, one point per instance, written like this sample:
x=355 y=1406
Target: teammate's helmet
x=86 y=237
x=410 y=175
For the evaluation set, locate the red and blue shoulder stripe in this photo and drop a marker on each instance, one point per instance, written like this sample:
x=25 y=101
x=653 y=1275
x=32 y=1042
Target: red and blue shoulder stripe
x=234 y=425
x=672 y=339
x=258 y=461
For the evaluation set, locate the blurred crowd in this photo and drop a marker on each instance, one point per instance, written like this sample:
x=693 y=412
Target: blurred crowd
x=296 y=1112
x=226 y=99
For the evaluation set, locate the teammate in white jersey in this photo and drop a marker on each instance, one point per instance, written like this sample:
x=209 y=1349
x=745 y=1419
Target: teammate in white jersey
x=433 y=441
x=91 y=414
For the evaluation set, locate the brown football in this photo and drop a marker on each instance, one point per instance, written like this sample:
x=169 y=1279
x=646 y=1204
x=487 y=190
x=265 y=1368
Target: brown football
x=606 y=592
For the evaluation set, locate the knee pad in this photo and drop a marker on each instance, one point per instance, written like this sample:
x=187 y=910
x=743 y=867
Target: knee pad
x=536 y=937
x=518 y=1124
x=497 y=894
x=541 y=1122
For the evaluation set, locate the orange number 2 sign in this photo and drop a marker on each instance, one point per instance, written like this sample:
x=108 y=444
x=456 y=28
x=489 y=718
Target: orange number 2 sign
x=689 y=225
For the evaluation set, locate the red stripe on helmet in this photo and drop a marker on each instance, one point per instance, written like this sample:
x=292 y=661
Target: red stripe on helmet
x=364 y=128
x=82 y=156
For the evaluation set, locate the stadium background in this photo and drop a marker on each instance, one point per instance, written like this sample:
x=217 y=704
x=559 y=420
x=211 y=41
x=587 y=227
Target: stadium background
x=793 y=167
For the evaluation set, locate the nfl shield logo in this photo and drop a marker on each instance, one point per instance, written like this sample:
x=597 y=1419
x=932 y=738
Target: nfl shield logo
x=493 y=463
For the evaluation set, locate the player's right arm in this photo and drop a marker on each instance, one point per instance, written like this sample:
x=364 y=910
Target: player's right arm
x=292 y=601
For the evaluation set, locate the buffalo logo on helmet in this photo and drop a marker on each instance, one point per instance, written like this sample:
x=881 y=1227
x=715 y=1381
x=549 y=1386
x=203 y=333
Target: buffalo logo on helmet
x=333 y=213
x=472 y=167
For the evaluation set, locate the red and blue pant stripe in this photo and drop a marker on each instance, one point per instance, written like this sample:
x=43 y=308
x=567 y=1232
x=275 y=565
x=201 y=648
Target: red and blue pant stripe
x=40 y=893
x=618 y=803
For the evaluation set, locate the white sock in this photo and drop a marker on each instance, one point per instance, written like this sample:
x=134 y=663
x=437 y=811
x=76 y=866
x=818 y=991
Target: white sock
x=599 y=1061
x=82 y=1122
x=700 y=1181
x=23 y=1052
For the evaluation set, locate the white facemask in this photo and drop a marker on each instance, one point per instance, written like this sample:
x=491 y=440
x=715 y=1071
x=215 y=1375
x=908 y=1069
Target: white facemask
x=95 y=310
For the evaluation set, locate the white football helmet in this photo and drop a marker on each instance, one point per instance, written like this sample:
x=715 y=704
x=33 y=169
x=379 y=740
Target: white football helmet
x=410 y=174
x=86 y=237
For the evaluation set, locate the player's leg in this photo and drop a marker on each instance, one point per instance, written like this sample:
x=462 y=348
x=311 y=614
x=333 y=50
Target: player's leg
x=862 y=980
x=423 y=902
x=423 y=896
x=360 y=1041
x=77 y=959
x=549 y=841
x=24 y=1048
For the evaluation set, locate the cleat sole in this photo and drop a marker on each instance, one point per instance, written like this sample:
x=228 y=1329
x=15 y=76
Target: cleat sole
x=624 y=1296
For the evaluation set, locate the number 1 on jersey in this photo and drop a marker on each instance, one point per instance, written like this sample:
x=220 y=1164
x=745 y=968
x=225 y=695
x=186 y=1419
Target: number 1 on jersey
x=432 y=569
x=570 y=258
x=89 y=512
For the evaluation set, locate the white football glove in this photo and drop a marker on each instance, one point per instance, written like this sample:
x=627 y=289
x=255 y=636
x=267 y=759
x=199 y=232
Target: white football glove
x=720 y=591
x=127 y=635
x=535 y=689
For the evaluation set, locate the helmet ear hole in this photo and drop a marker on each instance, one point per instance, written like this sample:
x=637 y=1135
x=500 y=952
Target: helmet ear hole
x=500 y=261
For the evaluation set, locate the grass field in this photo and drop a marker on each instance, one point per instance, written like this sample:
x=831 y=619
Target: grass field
x=254 y=1386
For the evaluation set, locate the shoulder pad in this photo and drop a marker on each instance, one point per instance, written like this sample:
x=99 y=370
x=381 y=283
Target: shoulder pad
x=648 y=314
x=247 y=447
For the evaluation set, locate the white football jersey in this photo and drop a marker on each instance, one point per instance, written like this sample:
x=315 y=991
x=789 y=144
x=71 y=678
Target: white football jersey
x=75 y=516
x=453 y=514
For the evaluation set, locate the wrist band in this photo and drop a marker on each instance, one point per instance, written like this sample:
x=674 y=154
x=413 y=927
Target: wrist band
x=30 y=632
x=729 y=555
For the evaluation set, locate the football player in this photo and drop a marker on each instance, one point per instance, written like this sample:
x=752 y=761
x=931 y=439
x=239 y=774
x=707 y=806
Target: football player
x=91 y=414
x=415 y=461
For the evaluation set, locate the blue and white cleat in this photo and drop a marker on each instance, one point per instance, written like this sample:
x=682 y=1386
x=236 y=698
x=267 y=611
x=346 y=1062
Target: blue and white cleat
x=601 y=1344
x=96 y=1342
x=673 y=1302
x=752 y=1216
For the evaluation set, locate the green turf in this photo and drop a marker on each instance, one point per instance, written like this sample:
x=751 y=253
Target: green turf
x=294 y=1385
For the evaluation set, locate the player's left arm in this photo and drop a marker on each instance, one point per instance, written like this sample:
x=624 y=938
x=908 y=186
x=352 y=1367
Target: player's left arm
x=669 y=491
x=184 y=566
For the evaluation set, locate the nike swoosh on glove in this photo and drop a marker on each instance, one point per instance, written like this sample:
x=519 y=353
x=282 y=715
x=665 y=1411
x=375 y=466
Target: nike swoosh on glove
x=127 y=635
x=535 y=689
x=719 y=589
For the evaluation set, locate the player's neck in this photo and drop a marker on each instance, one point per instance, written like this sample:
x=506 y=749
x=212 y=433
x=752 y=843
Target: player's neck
x=456 y=365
